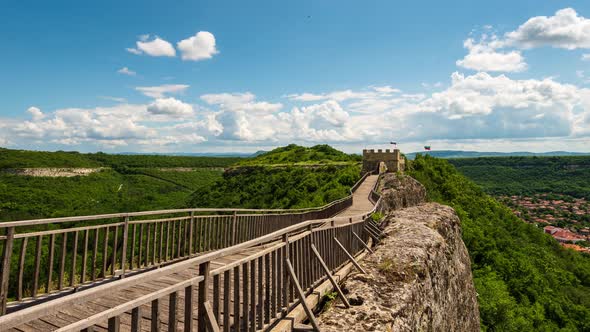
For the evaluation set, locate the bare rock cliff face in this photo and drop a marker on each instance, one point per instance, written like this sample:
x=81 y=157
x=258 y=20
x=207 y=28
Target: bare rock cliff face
x=400 y=191
x=418 y=279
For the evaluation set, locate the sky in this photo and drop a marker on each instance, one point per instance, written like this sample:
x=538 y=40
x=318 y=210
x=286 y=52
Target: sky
x=240 y=76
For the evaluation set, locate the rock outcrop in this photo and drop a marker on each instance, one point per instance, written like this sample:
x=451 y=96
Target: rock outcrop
x=53 y=172
x=418 y=279
x=400 y=191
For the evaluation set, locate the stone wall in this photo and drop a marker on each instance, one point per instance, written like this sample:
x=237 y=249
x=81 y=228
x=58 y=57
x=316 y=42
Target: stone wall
x=392 y=159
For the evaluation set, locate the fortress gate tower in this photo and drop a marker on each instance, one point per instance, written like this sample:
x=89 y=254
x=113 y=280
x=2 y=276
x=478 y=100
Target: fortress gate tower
x=393 y=160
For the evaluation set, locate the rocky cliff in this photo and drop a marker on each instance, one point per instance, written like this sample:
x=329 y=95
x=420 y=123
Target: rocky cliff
x=418 y=279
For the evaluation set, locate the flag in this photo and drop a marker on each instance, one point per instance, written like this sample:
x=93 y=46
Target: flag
x=394 y=143
x=427 y=147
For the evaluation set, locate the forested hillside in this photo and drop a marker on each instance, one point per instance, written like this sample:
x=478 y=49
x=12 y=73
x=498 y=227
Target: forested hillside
x=295 y=154
x=307 y=177
x=126 y=183
x=285 y=187
x=529 y=175
x=524 y=279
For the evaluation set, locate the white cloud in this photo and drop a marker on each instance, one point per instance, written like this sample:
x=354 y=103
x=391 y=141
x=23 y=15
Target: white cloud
x=483 y=57
x=171 y=107
x=126 y=71
x=585 y=57
x=35 y=113
x=343 y=95
x=201 y=46
x=161 y=90
x=566 y=29
x=155 y=47
x=240 y=102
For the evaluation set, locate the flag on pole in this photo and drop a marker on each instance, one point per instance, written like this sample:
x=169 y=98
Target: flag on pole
x=427 y=147
x=394 y=143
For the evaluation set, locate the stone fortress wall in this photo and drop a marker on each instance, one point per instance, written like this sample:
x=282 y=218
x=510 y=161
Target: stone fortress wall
x=393 y=160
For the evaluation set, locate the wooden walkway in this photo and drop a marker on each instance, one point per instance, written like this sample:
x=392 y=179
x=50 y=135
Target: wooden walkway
x=64 y=311
x=360 y=200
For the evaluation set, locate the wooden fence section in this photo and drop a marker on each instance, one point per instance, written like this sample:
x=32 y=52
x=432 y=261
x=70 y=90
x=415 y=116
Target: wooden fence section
x=45 y=258
x=248 y=294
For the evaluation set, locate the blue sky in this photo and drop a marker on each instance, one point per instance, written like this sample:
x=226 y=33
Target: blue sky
x=241 y=76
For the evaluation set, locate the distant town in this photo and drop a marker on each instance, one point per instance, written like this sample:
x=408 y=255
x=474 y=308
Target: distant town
x=565 y=218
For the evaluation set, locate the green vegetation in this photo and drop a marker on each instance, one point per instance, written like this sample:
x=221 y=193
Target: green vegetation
x=284 y=187
x=529 y=175
x=108 y=191
x=127 y=183
x=524 y=279
x=295 y=154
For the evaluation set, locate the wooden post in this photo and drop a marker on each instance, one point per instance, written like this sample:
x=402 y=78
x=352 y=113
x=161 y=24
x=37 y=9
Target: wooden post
x=204 y=270
x=190 y=234
x=155 y=326
x=136 y=319
x=330 y=277
x=301 y=296
x=5 y=269
x=234 y=230
x=362 y=242
x=124 y=249
x=210 y=321
x=352 y=260
x=114 y=324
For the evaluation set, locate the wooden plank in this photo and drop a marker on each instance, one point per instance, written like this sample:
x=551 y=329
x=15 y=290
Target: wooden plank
x=253 y=307
x=62 y=262
x=21 y=268
x=114 y=324
x=50 y=263
x=39 y=245
x=84 y=257
x=5 y=269
x=136 y=319
x=237 y=321
x=246 y=295
x=301 y=297
x=105 y=251
x=226 y=300
x=94 y=255
x=188 y=309
x=211 y=323
x=362 y=242
x=204 y=270
x=155 y=318
x=172 y=310
x=74 y=258
x=330 y=277
x=352 y=260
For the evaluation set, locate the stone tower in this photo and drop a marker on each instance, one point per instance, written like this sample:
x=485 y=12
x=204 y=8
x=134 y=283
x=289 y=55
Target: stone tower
x=393 y=160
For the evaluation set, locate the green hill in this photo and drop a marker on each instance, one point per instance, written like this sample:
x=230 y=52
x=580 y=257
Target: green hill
x=34 y=159
x=295 y=154
x=524 y=279
x=529 y=175
x=126 y=183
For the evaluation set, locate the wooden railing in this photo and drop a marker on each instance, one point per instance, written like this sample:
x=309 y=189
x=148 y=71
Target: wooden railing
x=249 y=294
x=46 y=258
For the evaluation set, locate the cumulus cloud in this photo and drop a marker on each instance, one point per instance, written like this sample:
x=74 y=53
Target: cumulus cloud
x=240 y=102
x=343 y=95
x=473 y=107
x=566 y=29
x=161 y=90
x=171 y=107
x=154 y=47
x=126 y=71
x=201 y=46
x=483 y=57
x=35 y=113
